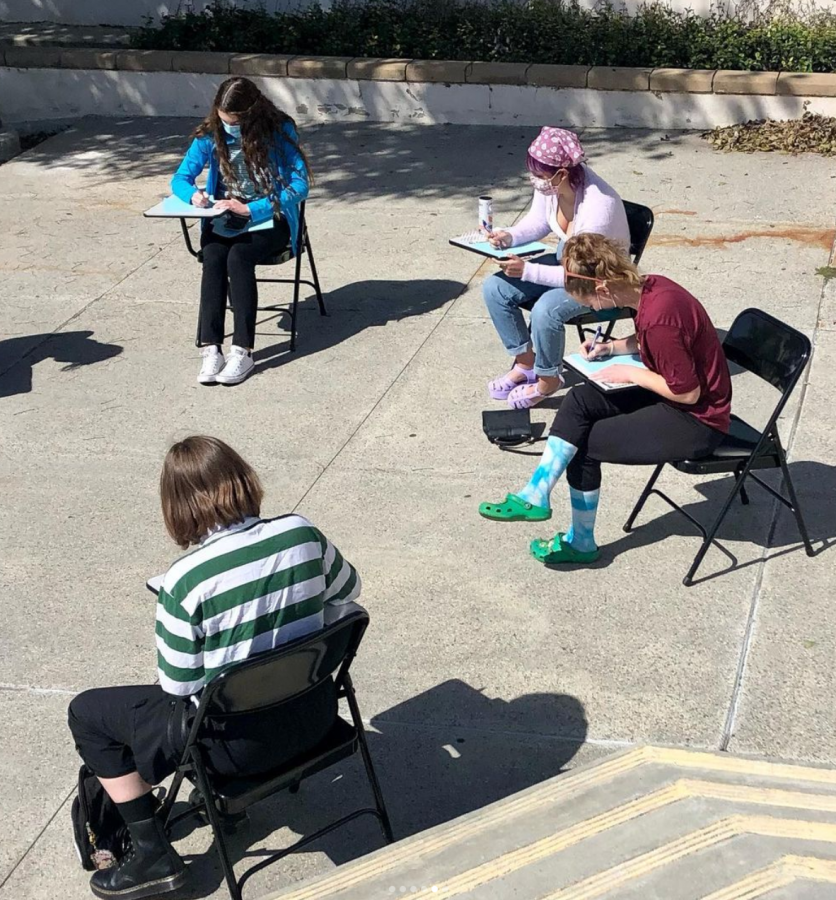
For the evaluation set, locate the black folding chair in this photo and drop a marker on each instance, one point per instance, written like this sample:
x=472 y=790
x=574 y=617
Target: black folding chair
x=303 y=244
x=640 y=221
x=765 y=346
x=267 y=681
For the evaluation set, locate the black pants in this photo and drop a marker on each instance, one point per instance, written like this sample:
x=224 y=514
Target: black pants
x=120 y=730
x=633 y=427
x=229 y=269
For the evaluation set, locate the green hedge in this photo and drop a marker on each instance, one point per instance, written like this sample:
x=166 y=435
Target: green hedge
x=541 y=31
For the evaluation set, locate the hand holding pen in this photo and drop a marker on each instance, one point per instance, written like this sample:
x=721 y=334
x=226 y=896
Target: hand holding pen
x=595 y=348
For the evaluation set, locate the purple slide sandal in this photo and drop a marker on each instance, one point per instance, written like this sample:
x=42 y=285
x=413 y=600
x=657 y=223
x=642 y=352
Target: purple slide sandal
x=501 y=387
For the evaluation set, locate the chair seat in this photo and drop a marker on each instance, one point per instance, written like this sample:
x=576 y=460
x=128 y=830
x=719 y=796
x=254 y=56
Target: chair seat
x=233 y=795
x=735 y=448
x=606 y=315
x=278 y=260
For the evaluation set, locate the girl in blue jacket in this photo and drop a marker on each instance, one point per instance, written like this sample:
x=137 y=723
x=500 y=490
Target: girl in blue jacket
x=259 y=175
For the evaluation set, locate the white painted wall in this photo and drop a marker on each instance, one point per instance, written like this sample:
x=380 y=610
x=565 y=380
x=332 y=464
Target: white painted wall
x=40 y=95
x=133 y=12
x=105 y=12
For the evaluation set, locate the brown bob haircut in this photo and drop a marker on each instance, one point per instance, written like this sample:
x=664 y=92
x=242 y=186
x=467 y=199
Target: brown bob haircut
x=204 y=485
x=596 y=259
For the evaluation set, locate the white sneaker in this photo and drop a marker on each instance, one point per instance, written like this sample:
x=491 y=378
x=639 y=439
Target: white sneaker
x=239 y=364
x=213 y=362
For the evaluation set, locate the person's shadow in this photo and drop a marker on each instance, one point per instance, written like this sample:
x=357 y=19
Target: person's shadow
x=19 y=355
x=351 y=309
x=439 y=755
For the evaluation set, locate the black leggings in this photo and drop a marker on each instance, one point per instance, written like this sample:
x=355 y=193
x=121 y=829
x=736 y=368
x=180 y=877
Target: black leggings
x=633 y=427
x=229 y=268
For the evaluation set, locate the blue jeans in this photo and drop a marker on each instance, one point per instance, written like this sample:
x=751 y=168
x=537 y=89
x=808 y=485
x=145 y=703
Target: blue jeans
x=553 y=309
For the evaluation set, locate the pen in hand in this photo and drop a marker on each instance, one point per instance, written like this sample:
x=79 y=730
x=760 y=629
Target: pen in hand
x=591 y=353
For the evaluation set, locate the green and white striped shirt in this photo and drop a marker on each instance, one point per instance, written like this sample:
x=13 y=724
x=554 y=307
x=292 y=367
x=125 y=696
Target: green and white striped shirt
x=244 y=590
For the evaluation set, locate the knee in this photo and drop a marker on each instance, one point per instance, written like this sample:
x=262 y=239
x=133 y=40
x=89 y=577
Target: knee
x=81 y=708
x=239 y=263
x=496 y=291
x=549 y=314
x=574 y=405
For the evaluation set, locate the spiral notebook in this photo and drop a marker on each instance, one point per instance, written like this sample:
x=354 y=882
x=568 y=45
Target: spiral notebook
x=475 y=242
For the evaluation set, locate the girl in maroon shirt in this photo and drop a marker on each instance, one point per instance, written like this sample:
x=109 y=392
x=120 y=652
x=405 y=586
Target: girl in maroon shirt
x=681 y=412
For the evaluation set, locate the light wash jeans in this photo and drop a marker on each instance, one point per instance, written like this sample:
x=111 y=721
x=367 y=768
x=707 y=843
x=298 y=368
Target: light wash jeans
x=554 y=307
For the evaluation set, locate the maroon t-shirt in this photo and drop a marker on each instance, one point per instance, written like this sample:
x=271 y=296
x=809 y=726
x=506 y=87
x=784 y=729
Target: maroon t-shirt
x=677 y=341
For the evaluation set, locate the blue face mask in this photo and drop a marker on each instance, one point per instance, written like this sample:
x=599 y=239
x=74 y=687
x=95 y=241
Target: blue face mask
x=231 y=130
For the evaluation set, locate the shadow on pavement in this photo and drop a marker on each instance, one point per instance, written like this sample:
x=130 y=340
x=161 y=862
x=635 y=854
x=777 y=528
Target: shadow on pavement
x=431 y=770
x=21 y=354
x=350 y=160
x=815 y=484
x=352 y=308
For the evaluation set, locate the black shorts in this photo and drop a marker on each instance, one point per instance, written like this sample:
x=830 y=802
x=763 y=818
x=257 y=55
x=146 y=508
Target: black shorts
x=120 y=730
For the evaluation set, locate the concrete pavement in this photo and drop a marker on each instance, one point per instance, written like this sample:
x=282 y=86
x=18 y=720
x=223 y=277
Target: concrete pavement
x=482 y=673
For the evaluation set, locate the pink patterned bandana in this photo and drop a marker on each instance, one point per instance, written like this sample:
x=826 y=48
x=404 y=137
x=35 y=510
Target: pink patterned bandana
x=557 y=147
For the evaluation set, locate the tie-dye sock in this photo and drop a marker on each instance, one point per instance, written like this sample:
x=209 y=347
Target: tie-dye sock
x=557 y=455
x=584 y=509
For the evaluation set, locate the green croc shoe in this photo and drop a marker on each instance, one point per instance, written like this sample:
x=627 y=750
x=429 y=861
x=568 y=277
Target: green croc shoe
x=557 y=552
x=514 y=509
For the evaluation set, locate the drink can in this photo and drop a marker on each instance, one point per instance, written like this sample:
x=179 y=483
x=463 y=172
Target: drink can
x=486 y=213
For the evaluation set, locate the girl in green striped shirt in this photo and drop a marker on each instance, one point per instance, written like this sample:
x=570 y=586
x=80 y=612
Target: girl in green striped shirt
x=247 y=585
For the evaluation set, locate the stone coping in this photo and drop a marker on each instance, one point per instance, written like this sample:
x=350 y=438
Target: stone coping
x=450 y=72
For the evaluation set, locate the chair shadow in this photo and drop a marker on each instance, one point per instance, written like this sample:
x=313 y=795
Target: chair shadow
x=75 y=348
x=352 y=309
x=438 y=755
x=814 y=483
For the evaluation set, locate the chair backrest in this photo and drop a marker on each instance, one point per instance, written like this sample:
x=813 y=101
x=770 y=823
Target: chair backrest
x=278 y=676
x=768 y=348
x=640 y=221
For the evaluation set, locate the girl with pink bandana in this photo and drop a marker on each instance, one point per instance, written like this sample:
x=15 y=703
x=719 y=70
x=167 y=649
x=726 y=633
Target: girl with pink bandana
x=569 y=199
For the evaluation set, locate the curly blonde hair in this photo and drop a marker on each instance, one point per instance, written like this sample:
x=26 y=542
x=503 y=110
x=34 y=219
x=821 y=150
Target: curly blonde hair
x=596 y=257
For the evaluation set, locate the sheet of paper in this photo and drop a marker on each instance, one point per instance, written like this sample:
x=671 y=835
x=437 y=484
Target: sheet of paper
x=587 y=368
x=174 y=208
x=155 y=584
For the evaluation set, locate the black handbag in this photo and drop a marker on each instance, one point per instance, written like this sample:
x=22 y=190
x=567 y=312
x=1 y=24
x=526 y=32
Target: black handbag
x=100 y=834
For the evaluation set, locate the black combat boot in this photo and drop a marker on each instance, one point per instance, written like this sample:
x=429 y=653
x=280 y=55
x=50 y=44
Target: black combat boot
x=150 y=866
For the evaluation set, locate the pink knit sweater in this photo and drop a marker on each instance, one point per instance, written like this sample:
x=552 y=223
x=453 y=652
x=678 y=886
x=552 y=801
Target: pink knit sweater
x=598 y=209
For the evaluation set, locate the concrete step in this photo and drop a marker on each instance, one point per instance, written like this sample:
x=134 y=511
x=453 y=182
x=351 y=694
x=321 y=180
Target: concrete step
x=651 y=823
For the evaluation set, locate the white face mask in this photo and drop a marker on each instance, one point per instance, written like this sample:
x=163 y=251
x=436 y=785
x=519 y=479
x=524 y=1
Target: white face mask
x=544 y=186
x=231 y=130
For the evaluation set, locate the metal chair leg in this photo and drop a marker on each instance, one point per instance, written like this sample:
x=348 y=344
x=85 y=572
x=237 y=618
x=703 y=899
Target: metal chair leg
x=802 y=527
x=379 y=803
x=217 y=827
x=628 y=525
x=688 y=580
x=295 y=308
x=319 y=298
x=171 y=797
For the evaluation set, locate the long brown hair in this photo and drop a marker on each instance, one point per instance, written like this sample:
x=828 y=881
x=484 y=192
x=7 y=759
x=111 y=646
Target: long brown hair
x=260 y=120
x=204 y=485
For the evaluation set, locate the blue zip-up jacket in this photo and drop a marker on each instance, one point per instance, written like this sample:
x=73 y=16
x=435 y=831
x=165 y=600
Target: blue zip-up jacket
x=287 y=166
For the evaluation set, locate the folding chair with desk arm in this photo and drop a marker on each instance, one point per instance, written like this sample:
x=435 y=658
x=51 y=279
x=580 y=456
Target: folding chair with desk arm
x=640 y=221
x=778 y=354
x=266 y=681
x=303 y=244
